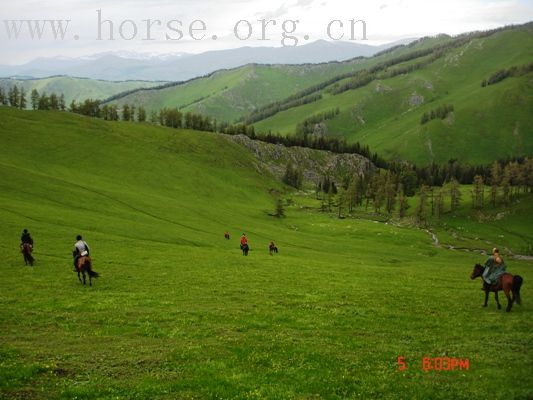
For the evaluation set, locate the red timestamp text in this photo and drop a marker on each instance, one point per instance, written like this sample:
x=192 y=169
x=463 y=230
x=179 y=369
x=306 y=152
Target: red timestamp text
x=437 y=364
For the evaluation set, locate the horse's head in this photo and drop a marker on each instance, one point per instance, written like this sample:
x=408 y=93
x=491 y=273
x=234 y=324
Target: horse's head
x=477 y=271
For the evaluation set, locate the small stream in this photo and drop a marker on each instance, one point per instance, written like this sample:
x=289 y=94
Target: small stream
x=436 y=243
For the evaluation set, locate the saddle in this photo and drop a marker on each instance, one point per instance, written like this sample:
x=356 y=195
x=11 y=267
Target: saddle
x=494 y=287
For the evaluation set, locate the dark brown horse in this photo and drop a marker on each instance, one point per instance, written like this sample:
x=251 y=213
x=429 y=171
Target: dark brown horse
x=84 y=265
x=508 y=283
x=26 y=249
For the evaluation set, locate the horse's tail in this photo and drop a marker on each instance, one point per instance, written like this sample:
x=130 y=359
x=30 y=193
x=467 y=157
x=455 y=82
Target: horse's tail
x=517 y=283
x=89 y=268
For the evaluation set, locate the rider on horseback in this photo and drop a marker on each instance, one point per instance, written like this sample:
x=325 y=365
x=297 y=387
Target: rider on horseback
x=81 y=249
x=494 y=268
x=25 y=238
x=244 y=244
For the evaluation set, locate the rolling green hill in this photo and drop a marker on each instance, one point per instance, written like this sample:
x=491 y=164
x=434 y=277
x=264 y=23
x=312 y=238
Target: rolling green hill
x=487 y=122
x=178 y=312
x=77 y=89
x=229 y=95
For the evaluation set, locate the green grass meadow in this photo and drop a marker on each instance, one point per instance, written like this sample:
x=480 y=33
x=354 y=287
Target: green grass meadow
x=179 y=313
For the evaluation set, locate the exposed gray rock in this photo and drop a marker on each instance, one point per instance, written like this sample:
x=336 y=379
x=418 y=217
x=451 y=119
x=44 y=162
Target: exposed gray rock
x=416 y=99
x=315 y=164
x=382 y=88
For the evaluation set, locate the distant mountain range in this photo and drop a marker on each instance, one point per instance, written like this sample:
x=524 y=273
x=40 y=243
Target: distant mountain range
x=182 y=66
x=467 y=97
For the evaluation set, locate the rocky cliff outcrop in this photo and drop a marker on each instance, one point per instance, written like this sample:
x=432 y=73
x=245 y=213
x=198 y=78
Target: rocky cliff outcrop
x=315 y=164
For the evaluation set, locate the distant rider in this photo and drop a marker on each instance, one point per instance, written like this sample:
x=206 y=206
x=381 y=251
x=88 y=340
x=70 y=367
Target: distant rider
x=25 y=238
x=494 y=268
x=81 y=249
x=272 y=248
x=244 y=240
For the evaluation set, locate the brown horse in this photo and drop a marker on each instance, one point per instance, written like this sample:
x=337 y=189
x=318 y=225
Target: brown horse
x=508 y=283
x=84 y=265
x=26 y=249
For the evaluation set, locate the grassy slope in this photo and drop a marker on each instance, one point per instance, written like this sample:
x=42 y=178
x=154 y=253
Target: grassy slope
x=488 y=123
x=230 y=94
x=179 y=313
x=76 y=88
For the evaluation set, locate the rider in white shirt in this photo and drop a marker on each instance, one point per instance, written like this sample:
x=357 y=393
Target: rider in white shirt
x=81 y=248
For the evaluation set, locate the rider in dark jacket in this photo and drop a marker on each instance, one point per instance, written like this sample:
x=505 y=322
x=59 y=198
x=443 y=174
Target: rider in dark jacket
x=26 y=238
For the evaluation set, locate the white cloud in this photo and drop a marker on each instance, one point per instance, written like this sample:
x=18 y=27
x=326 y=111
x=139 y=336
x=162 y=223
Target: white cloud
x=282 y=10
x=387 y=20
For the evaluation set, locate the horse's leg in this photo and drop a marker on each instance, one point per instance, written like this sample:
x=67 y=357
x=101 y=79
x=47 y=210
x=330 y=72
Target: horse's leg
x=497 y=301
x=83 y=273
x=486 y=298
x=510 y=300
x=79 y=277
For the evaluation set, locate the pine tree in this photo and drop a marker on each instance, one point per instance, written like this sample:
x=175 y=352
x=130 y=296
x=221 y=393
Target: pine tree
x=341 y=201
x=280 y=211
x=390 y=192
x=113 y=113
x=34 y=96
x=528 y=173
x=141 y=114
x=73 y=106
x=506 y=186
x=330 y=196
x=379 y=182
x=2 y=95
x=44 y=102
x=455 y=194
x=62 y=102
x=351 y=193
x=154 y=117
x=438 y=203
x=402 y=202
x=126 y=112
x=495 y=178
x=54 y=102
x=421 y=208
x=14 y=96
x=104 y=112
x=293 y=176
x=512 y=169
x=478 y=192
x=22 y=99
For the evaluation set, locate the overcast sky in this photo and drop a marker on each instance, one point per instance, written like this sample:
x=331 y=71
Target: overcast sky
x=386 y=21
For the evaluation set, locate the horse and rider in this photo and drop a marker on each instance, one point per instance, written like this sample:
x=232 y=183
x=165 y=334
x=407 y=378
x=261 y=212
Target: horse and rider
x=245 y=248
x=82 y=260
x=26 y=247
x=272 y=248
x=495 y=278
x=244 y=245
